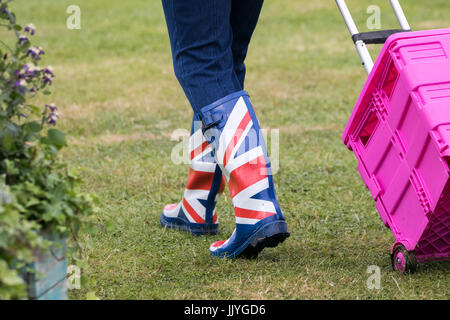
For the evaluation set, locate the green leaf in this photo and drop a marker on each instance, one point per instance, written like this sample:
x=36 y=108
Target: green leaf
x=34 y=126
x=8 y=142
x=10 y=278
x=34 y=109
x=56 y=138
x=11 y=167
x=32 y=202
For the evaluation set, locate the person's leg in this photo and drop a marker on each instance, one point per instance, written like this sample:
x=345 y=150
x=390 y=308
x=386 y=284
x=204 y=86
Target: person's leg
x=196 y=212
x=201 y=38
x=232 y=128
x=243 y=19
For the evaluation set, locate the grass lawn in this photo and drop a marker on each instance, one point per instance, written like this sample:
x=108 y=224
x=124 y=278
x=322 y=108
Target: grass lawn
x=120 y=103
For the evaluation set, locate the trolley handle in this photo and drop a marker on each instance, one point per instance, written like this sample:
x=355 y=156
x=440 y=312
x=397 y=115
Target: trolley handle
x=373 y=37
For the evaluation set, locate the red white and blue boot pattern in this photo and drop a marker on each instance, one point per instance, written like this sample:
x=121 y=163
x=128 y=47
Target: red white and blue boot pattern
x=196 y=212
x=232 y=129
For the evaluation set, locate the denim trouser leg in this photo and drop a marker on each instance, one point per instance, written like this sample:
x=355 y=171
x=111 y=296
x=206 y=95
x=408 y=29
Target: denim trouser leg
x=209 y=41
x=243 y=19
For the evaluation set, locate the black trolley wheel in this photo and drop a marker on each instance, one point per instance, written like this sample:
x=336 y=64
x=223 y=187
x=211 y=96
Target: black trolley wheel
x=403 y=261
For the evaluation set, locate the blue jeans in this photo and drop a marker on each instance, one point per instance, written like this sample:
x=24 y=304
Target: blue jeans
x=209 y=41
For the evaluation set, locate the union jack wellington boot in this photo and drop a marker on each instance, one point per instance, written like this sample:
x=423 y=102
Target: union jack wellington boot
x=232 y=129
x=196 y=212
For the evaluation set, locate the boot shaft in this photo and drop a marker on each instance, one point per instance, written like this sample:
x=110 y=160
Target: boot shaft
x=205 y=181
x=232 y=130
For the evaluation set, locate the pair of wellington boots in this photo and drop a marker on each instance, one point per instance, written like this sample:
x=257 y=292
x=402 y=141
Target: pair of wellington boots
x=228 y=148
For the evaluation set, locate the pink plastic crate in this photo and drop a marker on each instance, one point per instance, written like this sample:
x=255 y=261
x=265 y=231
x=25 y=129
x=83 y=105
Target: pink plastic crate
x=400 y=133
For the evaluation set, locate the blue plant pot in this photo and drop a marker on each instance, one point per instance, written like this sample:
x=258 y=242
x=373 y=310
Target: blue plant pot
x=48 y=282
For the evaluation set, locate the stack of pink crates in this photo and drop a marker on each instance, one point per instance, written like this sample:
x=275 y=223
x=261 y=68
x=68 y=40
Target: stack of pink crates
x=400 y=133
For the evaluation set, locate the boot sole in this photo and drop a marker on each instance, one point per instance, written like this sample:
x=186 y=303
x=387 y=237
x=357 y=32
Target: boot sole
x=252 y=251
x=268 y=236
x=179 y=224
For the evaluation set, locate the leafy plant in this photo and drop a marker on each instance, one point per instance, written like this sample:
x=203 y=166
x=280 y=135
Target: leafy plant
x=38 y=192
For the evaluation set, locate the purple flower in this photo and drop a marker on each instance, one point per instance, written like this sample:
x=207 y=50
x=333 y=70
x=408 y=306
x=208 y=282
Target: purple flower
x=49 y=71
x=32 y=52
x=5 y=56
x=35 y=52
x=48 y=75
x=20 y=86
x=53 y=116
x=27 y=72
x=22 y=71
x=23 y=39
x=51 y=107
x=47 y=80
x=52 y=119
x=30 y=28
x=31 y=70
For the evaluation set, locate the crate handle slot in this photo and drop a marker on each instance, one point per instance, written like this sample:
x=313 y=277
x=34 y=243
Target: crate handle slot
x=368 y=128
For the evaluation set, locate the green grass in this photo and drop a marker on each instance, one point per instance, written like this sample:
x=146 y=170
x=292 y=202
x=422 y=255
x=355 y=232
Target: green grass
x=119 y=102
